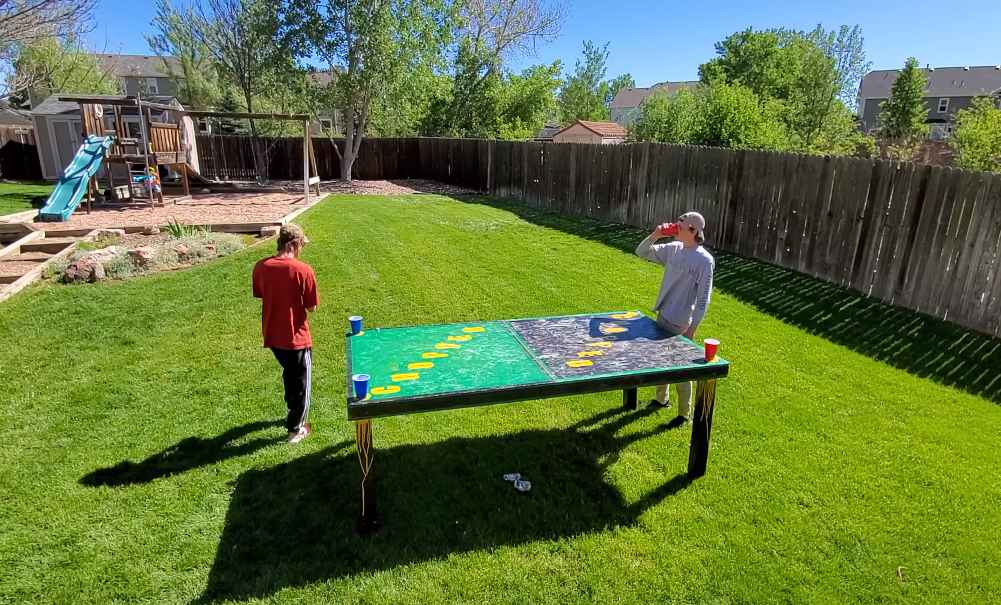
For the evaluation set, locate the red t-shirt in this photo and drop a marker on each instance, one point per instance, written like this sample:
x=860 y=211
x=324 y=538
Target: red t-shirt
x=287 y=287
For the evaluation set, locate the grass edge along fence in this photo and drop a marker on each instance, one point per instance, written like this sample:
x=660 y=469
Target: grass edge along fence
x=920 y=237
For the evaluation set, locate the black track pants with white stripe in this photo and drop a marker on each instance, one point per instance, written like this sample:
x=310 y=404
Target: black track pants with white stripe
x=297 y=376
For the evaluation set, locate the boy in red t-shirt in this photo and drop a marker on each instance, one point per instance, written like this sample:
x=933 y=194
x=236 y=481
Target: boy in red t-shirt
x=287 y=287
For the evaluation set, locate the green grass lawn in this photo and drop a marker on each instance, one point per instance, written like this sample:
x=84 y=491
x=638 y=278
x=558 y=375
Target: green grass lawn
x=141 y=459
x=16 y=197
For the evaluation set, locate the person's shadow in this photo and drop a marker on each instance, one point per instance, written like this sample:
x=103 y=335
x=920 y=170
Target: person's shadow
x=294 y=524
x=633 y=328
x=185 y=455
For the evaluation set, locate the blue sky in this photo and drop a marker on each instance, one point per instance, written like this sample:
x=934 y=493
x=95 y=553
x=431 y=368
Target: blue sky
x=667 y=40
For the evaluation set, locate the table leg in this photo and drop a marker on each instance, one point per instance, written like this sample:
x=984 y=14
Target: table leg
x=702 y=424
x=369 y=521
x=629 y=397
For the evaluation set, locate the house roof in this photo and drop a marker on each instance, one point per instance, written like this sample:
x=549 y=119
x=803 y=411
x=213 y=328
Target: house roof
x=942 y=82
x=627 y=98
x=53 y=106
x=547 y=132
x=145 y=66
x=321 y=77
x=602 y=129
x=10 y=116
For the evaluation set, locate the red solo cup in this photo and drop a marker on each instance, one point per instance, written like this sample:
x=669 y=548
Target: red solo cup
x=712 y=346
x=669 y=229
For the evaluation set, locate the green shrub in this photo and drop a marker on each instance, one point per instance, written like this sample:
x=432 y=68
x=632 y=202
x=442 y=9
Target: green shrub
x=119 y=266
x=180 y=230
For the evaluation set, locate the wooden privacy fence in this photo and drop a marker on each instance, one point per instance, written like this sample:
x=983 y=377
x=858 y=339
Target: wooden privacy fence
x=231 y=157
x=921 y=237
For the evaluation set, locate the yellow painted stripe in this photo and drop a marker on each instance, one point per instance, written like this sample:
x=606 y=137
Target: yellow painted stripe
x=579 y=363
x=420 y=365
x=590 y=353
x=602 y=344
x=404 y=376
x=433 y=355
x=386 y=390
x=474 y=329
x=447 y=345
x=460 y=338
x=629 y=315
x=612 y=329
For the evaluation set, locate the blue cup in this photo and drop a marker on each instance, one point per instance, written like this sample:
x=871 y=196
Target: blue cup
x=361 y=385
x=355 y=321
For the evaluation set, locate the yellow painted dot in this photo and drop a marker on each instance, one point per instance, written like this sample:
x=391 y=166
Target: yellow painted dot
x=404 y=376
x=433 y=355
x=590 y=353
x=420 y=365
x=447 y=345
x=464 y=338
x=612 y=329
x=602 y=344
x=386 y=390
x=579 y=363
x=474 y=329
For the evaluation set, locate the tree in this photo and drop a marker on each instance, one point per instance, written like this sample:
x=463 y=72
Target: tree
x=977 y=136
x=902 y=116
x=488 y=33
x=195 y=75
x=368 y=45
x=57 y=66
x=617 y=84
x=847 y=48
x=585 y=90
x=720 y=115
x=811 y=74
x=528 y=100
x=26 y=23
x=248 y=43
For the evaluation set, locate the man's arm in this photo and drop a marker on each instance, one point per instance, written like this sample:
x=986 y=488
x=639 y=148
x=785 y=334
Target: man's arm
x=310 y=297
x=651 y=250
x=255 y=285
x=701 y=300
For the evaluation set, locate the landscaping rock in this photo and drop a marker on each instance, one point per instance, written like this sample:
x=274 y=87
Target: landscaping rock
x=270 y=231
x=109 y=233
x=84 y=270
x=151 y=230
x=182 y=251
x=143 y=256
x=210 y=249
x=104 y=254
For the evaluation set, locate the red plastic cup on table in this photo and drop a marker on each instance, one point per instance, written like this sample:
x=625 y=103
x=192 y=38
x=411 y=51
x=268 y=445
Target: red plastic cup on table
x=669 y=229
x=711 y=348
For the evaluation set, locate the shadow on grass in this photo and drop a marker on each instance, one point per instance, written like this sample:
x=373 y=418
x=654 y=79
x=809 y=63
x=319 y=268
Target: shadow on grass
x=184 y=456
x=294 y=524
x=919 y=344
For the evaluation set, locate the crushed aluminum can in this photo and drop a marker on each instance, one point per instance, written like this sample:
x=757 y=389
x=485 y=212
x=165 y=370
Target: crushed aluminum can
x=523 y=486
x=512 y=476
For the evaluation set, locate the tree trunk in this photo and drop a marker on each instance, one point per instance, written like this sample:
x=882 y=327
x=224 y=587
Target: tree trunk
x=348 y=156
x=259 y=169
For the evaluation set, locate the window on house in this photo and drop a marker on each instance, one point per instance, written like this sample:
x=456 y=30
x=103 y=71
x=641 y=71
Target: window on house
x=943 y=105
x=326 y=124
x=203 y=126
x=149 y=86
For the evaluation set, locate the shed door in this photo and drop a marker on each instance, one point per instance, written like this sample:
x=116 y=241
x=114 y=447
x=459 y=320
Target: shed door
x=66 y=134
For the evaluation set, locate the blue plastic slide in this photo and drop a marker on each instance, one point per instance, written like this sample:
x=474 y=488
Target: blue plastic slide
x=72 y=185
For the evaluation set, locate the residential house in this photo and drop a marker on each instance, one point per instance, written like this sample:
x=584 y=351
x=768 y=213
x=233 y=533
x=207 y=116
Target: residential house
x=949 y=90
x=148 y=75
x=15 y=125
x=546 y=134
x=626 y=104
x=598 y=133
x=328 y=120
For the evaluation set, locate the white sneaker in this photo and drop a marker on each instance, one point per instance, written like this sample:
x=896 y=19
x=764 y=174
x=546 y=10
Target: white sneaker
x=302 y=433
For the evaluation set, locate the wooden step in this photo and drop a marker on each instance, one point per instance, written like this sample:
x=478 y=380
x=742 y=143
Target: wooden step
x=37 y=257
x=53 y=233
x=51 y=245
x=12 y=269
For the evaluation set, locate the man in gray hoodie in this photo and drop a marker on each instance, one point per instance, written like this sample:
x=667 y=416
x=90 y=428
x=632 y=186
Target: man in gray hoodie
x=684 y=292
